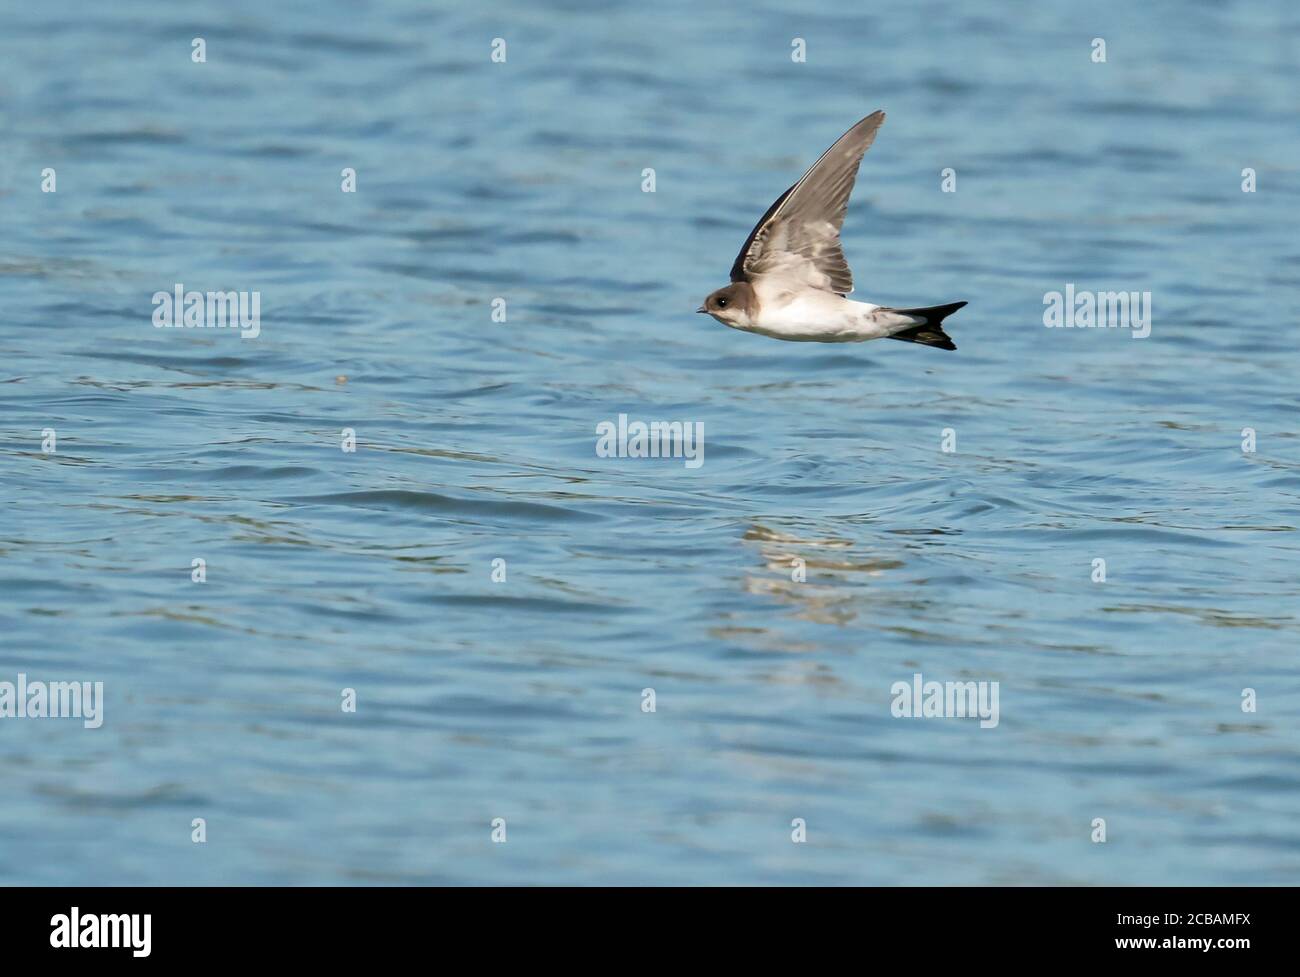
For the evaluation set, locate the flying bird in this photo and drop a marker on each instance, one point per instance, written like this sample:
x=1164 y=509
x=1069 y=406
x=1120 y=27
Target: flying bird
x=790 y=279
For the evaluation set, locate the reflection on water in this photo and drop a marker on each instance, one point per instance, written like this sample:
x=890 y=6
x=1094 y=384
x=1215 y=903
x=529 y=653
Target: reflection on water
x=790 y=560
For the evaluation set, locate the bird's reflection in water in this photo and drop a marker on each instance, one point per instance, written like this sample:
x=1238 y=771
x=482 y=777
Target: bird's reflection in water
x=807 y=573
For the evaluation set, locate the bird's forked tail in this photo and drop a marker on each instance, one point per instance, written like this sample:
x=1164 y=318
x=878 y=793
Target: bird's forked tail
x=930 y=332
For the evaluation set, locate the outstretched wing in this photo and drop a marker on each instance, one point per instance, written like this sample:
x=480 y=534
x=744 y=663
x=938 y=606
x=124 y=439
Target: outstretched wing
x=799 y=236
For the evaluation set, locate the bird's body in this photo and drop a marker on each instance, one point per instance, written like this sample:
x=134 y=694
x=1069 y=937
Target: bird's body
x=790 y=279
x=810 y=315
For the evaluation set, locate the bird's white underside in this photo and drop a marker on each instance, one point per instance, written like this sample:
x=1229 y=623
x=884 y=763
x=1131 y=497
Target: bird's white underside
x=792 y=311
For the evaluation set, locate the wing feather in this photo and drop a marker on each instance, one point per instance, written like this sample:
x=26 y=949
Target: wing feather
x=799 y=236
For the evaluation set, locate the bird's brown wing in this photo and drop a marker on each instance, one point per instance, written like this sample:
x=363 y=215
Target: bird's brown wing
x=799 y=236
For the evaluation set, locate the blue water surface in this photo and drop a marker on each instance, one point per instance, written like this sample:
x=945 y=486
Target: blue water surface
x=524 y=699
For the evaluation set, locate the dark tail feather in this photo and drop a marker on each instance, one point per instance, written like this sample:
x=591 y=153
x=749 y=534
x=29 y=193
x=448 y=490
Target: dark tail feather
x=930 y=332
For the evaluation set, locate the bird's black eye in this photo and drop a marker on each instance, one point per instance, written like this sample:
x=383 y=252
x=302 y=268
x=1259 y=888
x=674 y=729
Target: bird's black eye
x=722 y=303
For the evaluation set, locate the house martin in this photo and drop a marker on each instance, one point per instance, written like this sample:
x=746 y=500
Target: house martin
x=790 y=279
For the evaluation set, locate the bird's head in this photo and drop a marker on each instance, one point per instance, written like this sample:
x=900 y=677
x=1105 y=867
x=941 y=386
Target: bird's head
x=732 y=306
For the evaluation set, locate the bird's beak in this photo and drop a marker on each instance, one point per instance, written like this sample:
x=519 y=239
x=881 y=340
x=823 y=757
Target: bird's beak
x=700 y=309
